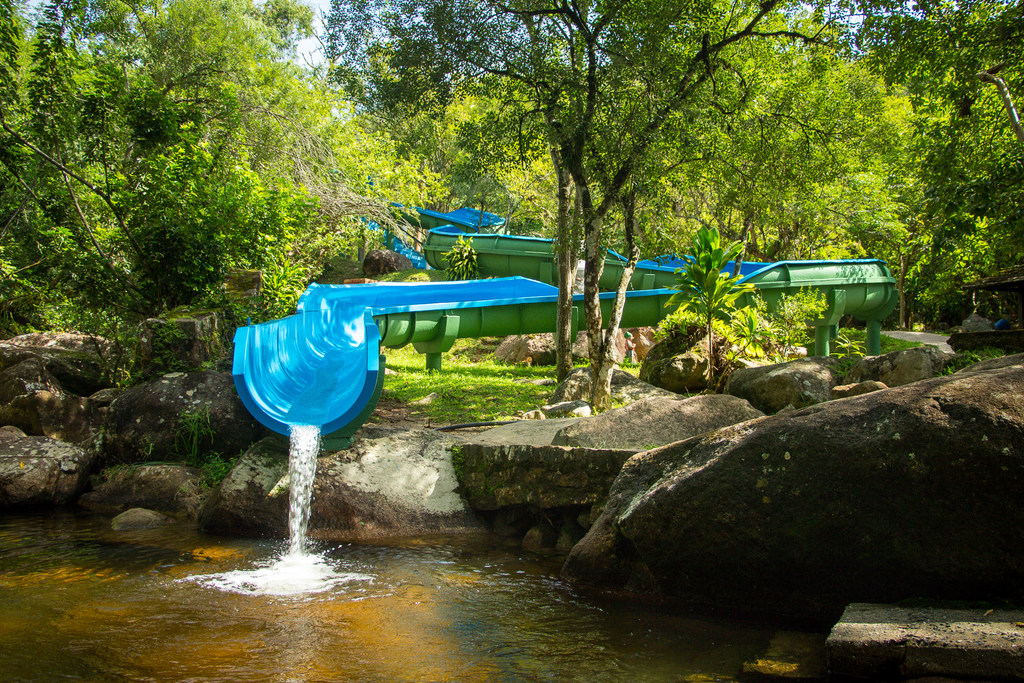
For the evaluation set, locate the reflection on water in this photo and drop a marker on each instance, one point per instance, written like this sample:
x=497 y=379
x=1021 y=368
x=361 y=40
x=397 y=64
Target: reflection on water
x=86 y=603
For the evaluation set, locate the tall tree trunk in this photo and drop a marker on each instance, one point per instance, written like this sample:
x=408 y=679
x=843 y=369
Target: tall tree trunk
x=601 y=387
x=904 y=266
x=565 y=256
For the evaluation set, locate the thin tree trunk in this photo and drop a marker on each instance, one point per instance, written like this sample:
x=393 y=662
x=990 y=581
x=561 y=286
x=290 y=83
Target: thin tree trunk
x=601 y=388
x=565 y=257
x=989 y=76
x=904 y=266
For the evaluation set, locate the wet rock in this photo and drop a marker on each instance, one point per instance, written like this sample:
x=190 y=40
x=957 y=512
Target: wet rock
x=381 y=262
x=625 y=388
x=496 y=477
x=900 y=367
x=390 y=483
x=36 y=470
x=183 y=340
x=875 y=642
x=253 y=499
x=139 y=518
x=540 y=537
x=799 y=383
x=857 y=389
x=909 y=492
x=169 y=488
x=149 y=421
x=652 y=422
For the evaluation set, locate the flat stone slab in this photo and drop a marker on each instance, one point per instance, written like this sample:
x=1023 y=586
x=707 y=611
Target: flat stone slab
x=522 y=433
x=874 y=641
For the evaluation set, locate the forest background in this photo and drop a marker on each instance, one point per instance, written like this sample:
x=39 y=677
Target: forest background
x=148 y=149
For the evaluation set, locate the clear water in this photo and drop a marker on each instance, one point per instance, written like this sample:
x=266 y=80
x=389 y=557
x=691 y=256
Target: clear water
x=79 y=601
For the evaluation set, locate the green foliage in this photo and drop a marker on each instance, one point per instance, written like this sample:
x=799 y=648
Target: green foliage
x=193 y=441
x=193 y=435
x=704 y=290
x=283 y=282
x=461 y=260
x=790 y=318
x=970 y=357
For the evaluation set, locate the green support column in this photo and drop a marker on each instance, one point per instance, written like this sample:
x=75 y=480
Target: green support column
x=445 y=333
x=822 y=333
x=873 y=341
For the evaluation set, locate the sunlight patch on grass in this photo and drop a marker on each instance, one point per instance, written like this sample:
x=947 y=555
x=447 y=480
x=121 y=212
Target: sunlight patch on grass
x=467 y=391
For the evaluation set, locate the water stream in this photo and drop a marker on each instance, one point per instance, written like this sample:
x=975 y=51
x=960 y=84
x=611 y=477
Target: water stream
x=304 y=447
x=84 y=602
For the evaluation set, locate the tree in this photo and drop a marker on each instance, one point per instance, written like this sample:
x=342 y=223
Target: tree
x=606 y=81
x=970 y=164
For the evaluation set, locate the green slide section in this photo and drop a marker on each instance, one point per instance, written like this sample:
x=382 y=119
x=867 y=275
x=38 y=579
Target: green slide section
x=863 y=288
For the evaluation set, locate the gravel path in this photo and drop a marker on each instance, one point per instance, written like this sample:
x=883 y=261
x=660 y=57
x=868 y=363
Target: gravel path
x=939 y=340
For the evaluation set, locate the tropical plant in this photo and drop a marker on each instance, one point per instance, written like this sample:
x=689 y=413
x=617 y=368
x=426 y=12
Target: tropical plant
x=704 y=289
x=461 y=260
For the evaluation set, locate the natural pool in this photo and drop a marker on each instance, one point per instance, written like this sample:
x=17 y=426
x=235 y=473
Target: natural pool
x=83 y=602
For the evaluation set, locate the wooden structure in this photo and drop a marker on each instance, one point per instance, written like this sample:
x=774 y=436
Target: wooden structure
x=1011 y=280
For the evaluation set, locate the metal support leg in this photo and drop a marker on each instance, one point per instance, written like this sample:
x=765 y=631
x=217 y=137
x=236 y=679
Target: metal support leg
x=821 y=339
x=873 y=338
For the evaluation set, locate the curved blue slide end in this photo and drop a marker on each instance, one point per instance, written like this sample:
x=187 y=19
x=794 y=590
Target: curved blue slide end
x=318 y=367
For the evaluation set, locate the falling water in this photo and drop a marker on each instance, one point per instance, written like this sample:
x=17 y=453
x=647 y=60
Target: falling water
x=302 y=455
x=298 y=572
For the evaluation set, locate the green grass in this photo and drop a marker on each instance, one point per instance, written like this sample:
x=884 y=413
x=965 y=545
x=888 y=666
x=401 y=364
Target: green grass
x=467 y=390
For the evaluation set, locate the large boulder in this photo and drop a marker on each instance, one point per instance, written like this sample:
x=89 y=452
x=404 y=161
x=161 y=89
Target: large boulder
x=625 y=388
x=27 y=377
x=909 y=492
x=900 y=367
x=34 y=401
x=679 y=363
x=36 y=470
x=652 y=422
x=541 y=477
x=165 y=487
x=381 y=262
x=153 y=421
x=796 y=383
x=389 y=483
x=180 y=341
x=539 y=349
x=994 y=363
x=61 y=416
x=253 y=499
x=80 y=363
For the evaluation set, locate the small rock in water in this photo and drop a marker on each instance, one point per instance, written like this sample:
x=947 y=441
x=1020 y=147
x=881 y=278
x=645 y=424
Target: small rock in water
x=139 y=518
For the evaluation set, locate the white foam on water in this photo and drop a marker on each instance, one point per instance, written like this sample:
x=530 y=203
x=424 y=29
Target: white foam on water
x=297 y=572
x=293 y=574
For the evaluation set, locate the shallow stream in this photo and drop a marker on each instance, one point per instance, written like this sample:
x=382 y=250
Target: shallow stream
x=83 y=602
